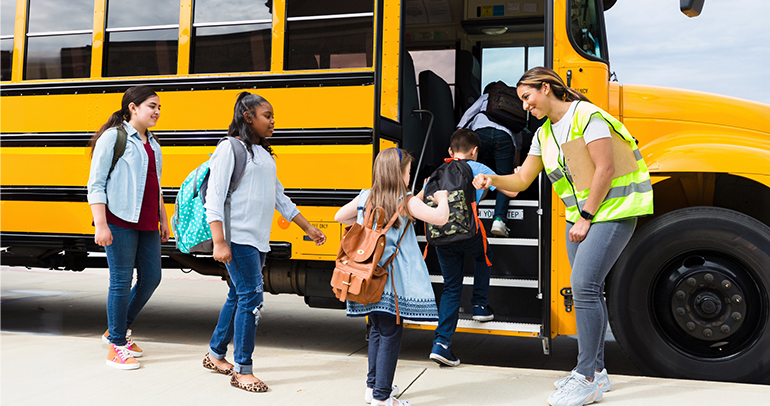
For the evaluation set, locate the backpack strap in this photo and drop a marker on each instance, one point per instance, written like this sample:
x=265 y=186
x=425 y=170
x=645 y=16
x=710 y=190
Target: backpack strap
x=119 y=148
x=480 y=227
x=239 y=154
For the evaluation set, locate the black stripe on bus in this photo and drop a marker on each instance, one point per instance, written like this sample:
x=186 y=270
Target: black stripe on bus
x=177 y=84
x=301 y=197
x=312 y=136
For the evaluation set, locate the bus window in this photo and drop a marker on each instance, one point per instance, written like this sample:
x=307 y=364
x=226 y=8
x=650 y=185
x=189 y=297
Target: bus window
x=509 y=63
x=59 y=47
x=535 y=57
x=231 y=36
x=329 y=35
x=440 y=61
x=7 y=17
x=586 y=29
x=141 y=38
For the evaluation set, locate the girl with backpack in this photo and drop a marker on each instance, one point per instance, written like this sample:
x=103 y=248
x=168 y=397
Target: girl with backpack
x=413 y=296
x=127 y=206
x=244 y=249
x=600 y=219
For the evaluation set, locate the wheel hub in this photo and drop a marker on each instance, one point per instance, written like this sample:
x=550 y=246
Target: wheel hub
x=706 y=303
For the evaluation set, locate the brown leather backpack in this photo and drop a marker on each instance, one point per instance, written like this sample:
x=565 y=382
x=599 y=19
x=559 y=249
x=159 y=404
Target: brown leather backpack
x=357 y=276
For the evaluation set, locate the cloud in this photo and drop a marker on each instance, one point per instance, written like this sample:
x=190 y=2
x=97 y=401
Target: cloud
x=725 y=50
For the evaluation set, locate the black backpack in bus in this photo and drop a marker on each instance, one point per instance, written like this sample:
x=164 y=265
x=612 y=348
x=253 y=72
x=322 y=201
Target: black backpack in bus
x=456 y=177
x=505 y=108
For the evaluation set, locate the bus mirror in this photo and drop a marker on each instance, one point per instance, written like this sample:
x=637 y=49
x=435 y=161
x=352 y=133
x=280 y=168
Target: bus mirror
x=608 y=4
x=691 y=8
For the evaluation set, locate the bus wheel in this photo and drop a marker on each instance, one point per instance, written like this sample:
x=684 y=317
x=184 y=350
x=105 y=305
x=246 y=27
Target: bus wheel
x=688 y=298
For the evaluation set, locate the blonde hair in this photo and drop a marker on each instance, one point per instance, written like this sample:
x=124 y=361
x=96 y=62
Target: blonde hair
x=535 y=78
x=388 y=188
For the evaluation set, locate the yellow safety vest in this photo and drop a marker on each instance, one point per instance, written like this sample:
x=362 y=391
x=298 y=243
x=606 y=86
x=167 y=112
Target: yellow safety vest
x=629 y=195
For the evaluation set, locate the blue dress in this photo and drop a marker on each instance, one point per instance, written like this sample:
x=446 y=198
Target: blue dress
x=416 y=300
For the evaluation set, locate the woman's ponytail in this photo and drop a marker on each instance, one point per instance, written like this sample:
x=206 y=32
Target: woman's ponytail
x=535 y=78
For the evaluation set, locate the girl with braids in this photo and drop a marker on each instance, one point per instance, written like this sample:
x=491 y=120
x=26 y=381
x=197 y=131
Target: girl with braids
x=127 y=206
x=409 y=274
x=244 y=250
x=600 y=219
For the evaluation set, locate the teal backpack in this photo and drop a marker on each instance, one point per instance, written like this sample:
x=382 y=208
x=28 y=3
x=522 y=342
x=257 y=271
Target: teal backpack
x=191 y=230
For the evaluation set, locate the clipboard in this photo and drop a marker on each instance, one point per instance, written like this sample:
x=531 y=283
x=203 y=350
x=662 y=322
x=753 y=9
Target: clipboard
x=582 y=168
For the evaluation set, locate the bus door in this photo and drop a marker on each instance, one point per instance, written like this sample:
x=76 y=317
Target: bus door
x=453 y=57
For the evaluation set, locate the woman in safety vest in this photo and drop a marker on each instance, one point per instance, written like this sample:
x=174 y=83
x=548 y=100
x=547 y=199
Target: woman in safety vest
x=600 y=219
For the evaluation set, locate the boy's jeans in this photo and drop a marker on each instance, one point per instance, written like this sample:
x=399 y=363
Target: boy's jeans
x=450 y=257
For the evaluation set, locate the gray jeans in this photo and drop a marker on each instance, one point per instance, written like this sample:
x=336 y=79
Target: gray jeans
x=591 y=261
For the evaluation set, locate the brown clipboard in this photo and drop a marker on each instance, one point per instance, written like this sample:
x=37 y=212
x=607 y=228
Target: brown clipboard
x=582 y=168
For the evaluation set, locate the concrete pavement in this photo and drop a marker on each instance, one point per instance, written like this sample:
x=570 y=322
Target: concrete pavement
x=51 y=354
x=62 y=370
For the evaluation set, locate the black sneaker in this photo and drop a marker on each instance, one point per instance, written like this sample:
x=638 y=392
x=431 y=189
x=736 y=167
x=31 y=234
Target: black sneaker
x=483 y=313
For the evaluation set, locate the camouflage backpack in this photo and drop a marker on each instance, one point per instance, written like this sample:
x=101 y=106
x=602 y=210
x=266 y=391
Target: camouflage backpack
x=456 y=177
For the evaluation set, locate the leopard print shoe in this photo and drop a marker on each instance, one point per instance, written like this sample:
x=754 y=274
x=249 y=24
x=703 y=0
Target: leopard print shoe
x=208 y=364
x=258 y=386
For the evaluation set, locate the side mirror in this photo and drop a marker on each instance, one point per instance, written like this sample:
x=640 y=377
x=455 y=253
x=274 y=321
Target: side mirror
x=691 y=8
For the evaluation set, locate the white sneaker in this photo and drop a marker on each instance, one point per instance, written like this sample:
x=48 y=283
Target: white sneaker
x=576 y=391
x=602 y=379
x=499 y=228
x=368 y=398
x=391 y=401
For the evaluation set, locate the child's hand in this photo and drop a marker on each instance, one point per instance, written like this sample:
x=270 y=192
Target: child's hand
x=439 y=196
x=317 y=235
x=103 y=235
x=222 y=252
x=165 y=232
x=482 y=181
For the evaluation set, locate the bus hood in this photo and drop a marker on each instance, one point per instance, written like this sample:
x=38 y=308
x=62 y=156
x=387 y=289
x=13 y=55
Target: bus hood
x=661 y=103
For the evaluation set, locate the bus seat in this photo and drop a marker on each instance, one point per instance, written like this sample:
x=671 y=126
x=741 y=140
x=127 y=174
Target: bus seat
x=436 y=97
x=467 y=83
x=412 y=132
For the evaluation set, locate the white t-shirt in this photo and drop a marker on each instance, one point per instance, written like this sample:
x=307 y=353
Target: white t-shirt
x=597 y=128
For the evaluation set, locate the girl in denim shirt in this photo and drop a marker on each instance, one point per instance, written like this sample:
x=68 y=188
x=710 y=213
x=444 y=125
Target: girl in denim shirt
x=127 y=206
x=247 y=243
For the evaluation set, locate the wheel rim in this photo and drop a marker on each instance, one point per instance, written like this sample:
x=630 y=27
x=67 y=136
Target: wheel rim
x=708 y=305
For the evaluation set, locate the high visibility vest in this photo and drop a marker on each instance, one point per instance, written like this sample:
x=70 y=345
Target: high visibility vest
x=629 y=195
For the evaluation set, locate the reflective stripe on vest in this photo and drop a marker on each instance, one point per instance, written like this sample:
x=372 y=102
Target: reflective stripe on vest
x=629 y=195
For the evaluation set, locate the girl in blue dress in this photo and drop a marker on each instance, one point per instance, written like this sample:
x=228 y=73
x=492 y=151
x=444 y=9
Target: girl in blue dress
x=416 y=301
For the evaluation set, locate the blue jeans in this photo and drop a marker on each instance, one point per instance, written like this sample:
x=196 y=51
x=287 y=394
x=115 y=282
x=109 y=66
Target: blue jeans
x=591 y=261
x=129 y=249
x=240 y=314
x=497 y=146
x=384 y=345
x=451 y=257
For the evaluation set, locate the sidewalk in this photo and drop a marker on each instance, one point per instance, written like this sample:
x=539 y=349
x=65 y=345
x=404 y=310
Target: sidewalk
x=64 y=370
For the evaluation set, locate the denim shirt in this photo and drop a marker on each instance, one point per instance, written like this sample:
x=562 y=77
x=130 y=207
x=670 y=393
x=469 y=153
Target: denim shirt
x=123 y=190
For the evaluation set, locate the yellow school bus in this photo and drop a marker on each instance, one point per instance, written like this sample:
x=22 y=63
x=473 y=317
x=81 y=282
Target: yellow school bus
x=689 y=295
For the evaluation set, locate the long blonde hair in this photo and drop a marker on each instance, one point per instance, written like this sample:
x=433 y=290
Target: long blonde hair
x=535 y=78
x=388 y=188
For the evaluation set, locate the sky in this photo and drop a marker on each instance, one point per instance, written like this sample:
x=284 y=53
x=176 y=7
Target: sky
x=725 y=50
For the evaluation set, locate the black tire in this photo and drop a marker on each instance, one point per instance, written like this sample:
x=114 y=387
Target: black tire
x=688 y=298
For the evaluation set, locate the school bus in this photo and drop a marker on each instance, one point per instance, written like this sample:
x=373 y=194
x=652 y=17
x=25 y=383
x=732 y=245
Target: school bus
x=689 y=295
